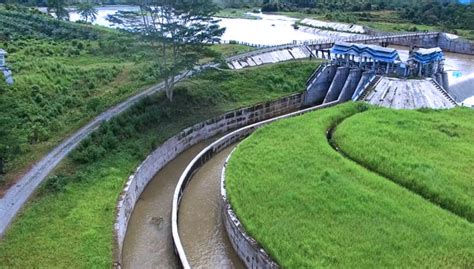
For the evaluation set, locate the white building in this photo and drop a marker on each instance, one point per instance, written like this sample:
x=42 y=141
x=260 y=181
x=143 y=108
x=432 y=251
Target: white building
x=2 y=57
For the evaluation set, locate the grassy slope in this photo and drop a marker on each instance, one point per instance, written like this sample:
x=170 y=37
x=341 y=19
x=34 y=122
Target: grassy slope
x=65 y=74
x=310 y=207
x=69 y=224
x=436 y=159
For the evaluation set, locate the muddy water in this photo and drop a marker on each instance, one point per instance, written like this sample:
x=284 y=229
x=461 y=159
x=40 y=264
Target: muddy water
x=200 y=224
x=148 y=242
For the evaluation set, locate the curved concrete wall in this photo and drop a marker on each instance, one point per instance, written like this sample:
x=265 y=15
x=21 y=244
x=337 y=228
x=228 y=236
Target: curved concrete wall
x=182 y=141
x=246 y=247
x=203 y=157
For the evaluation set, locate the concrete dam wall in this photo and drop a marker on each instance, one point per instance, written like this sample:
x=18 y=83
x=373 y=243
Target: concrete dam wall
x=342 y=84
x=334 y=83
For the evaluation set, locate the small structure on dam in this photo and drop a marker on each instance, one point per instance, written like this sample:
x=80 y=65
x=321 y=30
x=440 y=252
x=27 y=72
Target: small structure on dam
x=356 y=70
x=3 y=68
x=426 y=62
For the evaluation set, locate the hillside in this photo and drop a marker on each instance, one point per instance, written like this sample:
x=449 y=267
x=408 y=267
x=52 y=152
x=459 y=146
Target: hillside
x=65 y=73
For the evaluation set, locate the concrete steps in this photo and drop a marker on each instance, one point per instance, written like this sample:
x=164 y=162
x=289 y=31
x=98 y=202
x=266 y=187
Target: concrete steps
x=443 y=92
x=369 y=87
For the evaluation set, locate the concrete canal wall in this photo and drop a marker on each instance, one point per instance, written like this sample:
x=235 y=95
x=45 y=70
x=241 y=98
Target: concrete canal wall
x=202 y=158
x=182 y=141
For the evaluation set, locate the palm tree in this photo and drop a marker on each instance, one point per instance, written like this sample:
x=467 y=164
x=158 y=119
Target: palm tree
x=87 y=11
x=58 y=7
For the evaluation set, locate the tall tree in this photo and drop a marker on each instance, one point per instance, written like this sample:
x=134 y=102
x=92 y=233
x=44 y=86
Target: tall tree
x=87 y=11
x=58 y=7
x=177 y=29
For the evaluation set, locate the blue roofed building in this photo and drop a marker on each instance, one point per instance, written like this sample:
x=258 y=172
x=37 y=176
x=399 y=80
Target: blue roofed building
x=426 y=62
x=377 y=58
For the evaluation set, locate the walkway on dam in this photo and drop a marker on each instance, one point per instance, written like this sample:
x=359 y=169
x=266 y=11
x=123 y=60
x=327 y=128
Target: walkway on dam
x=304 y=49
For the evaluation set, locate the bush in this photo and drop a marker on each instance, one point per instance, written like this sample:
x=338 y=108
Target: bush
x=56 y=183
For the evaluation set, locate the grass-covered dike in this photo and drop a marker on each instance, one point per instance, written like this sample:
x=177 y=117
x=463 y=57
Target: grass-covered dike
x=310 y=207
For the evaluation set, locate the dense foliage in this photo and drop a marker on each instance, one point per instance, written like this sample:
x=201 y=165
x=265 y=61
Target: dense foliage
x=70 y=223
x=450 y=14
x=310 y=207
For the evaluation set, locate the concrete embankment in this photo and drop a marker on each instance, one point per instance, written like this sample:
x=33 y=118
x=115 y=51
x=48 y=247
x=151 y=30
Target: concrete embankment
x=174 y=146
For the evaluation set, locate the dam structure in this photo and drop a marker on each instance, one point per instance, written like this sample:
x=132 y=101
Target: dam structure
x=377 y=75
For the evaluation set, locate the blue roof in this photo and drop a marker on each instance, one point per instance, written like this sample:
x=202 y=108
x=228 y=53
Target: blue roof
x=425 y=56
x=378 y=53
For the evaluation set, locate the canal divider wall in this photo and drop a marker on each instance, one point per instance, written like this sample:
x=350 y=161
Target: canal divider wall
x=247 y=248
x=242 y=248
x=182 y=141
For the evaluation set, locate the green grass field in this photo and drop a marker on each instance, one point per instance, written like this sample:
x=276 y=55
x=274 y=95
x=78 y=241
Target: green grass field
x=310 y=207
x=70 y=221
x=429 y=152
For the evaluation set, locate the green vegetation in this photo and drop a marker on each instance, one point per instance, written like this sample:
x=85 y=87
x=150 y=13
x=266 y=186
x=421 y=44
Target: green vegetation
x=435 y=160
x=237 y=13
x=69 y=223
x=65 y=74
x=393 y=16
x=310 y=207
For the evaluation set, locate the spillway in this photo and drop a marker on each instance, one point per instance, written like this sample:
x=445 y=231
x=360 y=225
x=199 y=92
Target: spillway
x=201 y=226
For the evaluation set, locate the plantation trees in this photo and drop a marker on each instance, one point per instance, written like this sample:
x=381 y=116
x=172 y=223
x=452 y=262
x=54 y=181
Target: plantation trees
x=58 y=7
x=177 y=29
x=87 y=11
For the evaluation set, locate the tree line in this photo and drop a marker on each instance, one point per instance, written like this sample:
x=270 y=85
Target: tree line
x=447 y=13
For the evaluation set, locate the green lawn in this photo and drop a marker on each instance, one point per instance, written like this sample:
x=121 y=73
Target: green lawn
x=429 y=152
x=310 y=207
x=70 y=221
